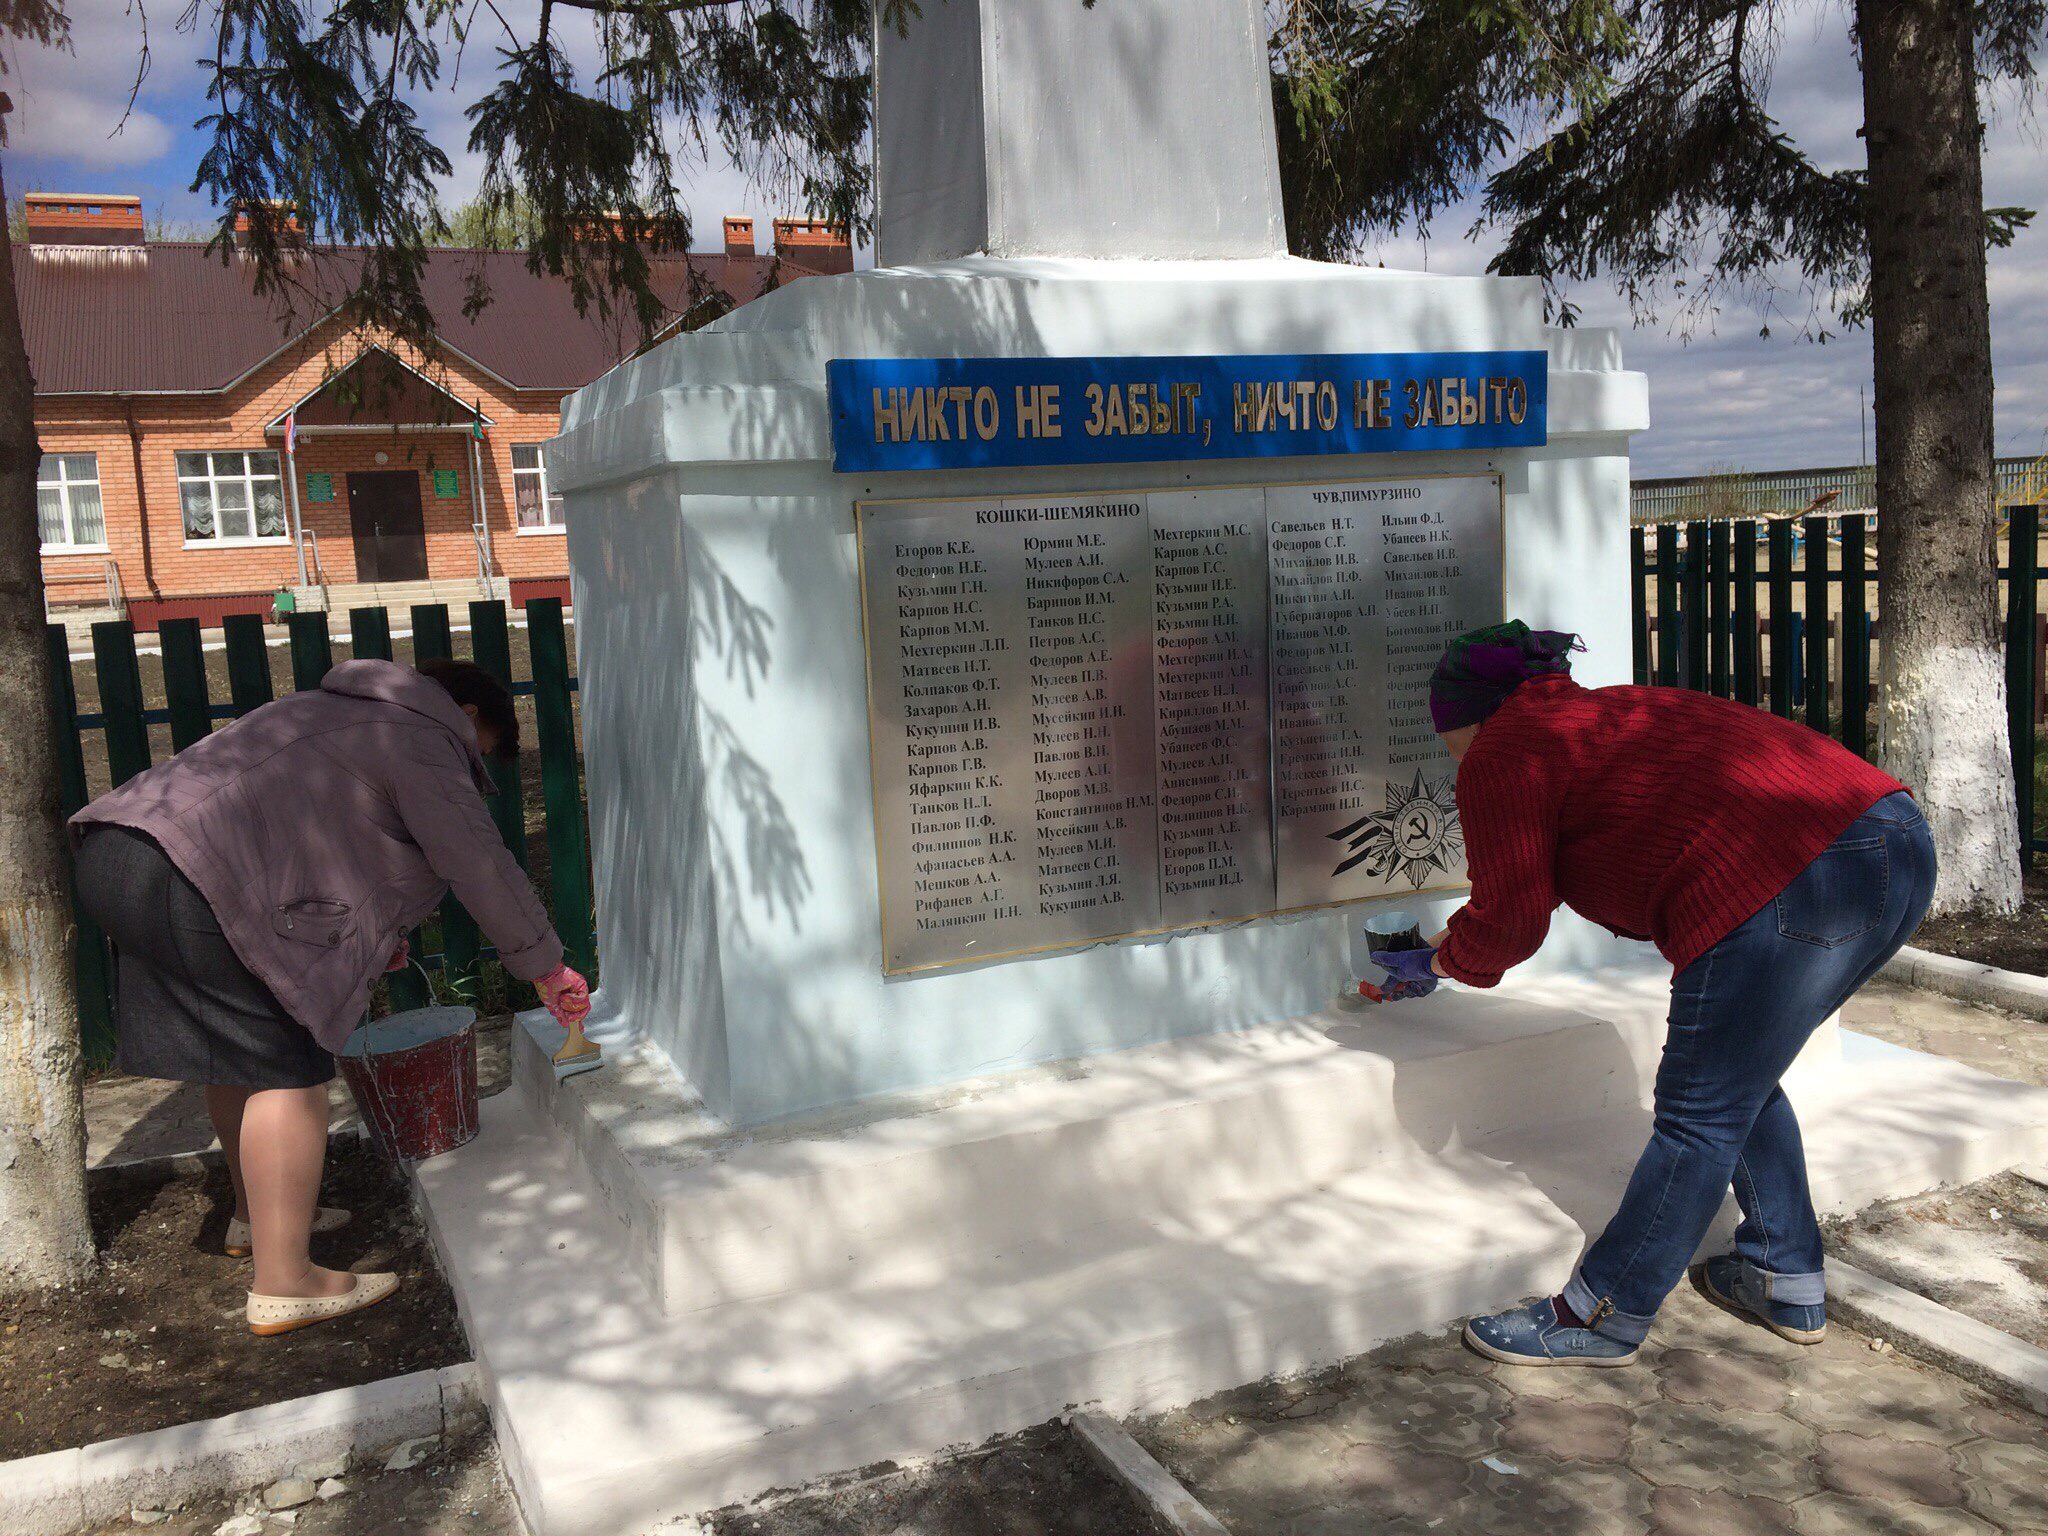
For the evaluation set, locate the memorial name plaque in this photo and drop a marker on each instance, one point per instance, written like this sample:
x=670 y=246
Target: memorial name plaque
x=1209 y=692
x=1370 y=582
x=1095 y=716
x=1010 y=679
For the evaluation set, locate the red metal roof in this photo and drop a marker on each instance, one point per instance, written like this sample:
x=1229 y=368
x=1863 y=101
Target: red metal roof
x=170 y=318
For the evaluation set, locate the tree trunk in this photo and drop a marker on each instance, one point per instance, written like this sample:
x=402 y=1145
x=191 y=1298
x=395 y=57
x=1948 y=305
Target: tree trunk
x=1942 y=728
x=42 y=1113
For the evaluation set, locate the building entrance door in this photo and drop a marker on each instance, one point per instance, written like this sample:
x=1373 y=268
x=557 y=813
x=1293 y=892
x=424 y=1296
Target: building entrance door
x=390 y=530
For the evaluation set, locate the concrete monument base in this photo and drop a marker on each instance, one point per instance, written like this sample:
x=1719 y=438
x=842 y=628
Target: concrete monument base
x=669 y=1314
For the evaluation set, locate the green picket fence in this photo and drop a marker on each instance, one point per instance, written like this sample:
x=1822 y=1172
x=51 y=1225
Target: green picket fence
x=1777 y=612
x=124 y=718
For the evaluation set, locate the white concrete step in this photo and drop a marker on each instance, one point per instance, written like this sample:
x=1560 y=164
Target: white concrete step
x=713 y=1216
x=1013 y=1253
x=612 y=1416
x=456 y=593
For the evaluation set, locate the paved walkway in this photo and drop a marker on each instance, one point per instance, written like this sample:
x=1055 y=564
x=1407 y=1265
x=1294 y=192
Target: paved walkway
x=2000 y=1043
x=1719 y=1429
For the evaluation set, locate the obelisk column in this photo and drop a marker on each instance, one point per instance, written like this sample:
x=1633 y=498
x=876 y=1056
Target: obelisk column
x=1046 y=128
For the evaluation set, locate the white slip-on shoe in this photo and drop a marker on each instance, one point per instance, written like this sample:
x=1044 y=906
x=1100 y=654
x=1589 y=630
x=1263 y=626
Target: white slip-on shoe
x=282 y=1314
x=326 y=1219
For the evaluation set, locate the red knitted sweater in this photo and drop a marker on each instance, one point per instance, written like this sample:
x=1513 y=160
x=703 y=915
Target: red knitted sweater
x=1656 y=812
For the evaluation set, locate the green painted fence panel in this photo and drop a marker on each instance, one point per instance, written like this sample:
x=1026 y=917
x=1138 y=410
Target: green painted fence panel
x=369 y=633
x=1855 y=643
x=312 y=655
x=1693 y=606
x=120 y=681
x=554 y=715
x=185 y=690
x=430 y=637
x=248 y=661
x=1747 y=660
x=2021 y=603
x=1667 y=604
x=92 y=971
x=1816 y=582
x=490 y=638
x=430 y=642
x=1780 y=552
x=1639 y=595
x=1720 y=673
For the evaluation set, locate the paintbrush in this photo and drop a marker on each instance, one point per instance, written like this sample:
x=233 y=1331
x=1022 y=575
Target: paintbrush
x=578 y=1054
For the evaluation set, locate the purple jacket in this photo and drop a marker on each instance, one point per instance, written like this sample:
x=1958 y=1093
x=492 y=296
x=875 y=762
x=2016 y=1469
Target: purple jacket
x=322 y=827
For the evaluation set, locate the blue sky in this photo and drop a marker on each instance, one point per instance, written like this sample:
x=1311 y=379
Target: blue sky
x=1722 y=398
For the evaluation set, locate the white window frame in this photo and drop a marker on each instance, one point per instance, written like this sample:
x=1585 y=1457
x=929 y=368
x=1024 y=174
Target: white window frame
x=54 y=463
x=249 y=479
x=550 y=504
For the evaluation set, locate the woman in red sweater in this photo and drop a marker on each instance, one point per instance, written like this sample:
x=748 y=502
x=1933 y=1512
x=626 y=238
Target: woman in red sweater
x=1775 y=870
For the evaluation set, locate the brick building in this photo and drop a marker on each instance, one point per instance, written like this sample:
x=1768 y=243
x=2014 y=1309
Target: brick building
x=205 y=447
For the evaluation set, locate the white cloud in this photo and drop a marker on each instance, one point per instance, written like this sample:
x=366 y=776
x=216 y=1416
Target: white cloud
x=80 y=128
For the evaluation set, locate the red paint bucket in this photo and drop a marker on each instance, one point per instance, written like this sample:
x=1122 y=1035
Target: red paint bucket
x=414 y=1079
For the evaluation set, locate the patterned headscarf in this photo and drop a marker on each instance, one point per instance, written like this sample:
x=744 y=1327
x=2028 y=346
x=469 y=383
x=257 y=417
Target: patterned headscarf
x=1481 y=669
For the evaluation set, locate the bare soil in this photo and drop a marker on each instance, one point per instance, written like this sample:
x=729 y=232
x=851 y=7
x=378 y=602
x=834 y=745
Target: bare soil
x=158 y=1338
x=1039 y=1483
x=2016 y=942
x=1981 y=1250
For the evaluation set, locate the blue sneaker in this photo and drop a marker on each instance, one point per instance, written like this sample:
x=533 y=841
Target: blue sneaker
x=1532 y=1335
x=1725 y=1281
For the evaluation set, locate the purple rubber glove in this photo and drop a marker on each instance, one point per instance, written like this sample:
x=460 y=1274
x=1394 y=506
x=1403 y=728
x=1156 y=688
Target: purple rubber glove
x=1408 y=973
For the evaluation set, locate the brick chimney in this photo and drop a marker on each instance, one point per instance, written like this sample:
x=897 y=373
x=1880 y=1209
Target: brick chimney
x=739 y=236
x=83 y=218
x=279 y=214
x=814 y=243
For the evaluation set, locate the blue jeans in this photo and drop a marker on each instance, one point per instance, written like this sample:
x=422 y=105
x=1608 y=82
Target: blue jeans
x=1739 y=1016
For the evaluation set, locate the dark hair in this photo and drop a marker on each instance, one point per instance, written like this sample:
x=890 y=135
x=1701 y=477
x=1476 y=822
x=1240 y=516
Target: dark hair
x=468 y=683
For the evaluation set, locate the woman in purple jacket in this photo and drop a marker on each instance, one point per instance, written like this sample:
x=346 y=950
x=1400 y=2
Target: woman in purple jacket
x=257 y=884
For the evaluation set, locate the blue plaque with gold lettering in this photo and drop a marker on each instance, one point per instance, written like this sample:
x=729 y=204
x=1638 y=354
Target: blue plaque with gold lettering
x=1000 y=412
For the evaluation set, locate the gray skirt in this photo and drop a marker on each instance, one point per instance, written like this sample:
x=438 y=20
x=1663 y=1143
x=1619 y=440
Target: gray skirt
x=185 y=1007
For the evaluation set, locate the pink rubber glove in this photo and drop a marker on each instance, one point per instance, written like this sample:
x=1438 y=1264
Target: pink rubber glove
x=399 y=957
x=565 y=994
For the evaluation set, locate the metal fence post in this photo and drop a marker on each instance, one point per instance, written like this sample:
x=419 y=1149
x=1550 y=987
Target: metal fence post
x=185 y=688
x=1747 y=688
x=1719 y=672
x=248 y=661
x=2023 y=571
x=1782 y=635
x=1855 y=639
x=1816 y=580
x=491 y=644
x=369 y=633
x=430 y=641
x=560 y=786
x=311 y=653
x=120 y=683
x=1694 y=606
x=1639 y=597
x=92 y=971
x=1667 y=604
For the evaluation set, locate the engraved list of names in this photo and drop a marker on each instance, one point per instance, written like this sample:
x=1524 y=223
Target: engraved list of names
x=1100 y=715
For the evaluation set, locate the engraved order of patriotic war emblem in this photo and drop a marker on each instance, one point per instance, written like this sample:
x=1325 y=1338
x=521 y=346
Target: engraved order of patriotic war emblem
x=1417 y=832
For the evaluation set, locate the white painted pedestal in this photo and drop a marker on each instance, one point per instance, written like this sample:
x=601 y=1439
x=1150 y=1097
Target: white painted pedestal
x=669 y=1314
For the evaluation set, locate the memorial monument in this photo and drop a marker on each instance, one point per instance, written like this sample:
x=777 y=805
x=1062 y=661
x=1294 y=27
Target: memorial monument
x=1003 y=695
